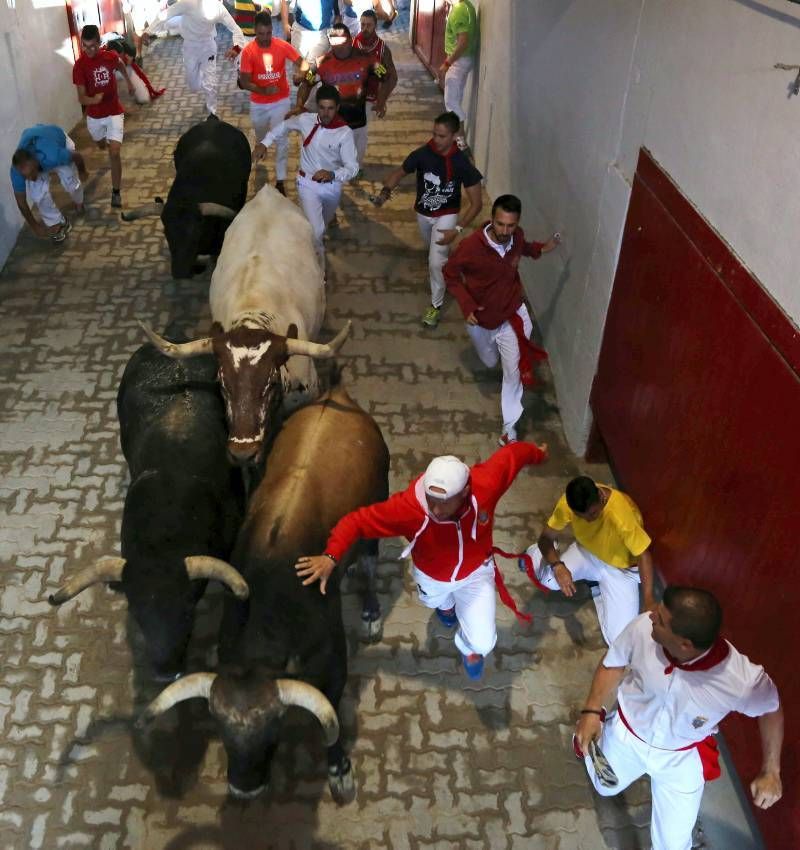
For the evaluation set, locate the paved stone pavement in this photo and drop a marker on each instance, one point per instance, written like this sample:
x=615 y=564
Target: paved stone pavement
x=439 y=762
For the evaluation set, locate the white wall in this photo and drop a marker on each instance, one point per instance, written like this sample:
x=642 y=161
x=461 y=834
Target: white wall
x=569 y=91
x=36 y=85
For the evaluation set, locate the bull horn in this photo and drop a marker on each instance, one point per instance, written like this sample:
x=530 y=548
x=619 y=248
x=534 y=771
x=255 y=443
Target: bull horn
x=204 y=566
x=320 y=351
x=177 y=350
x=209 y=208
x=188 y=687
x=294 y=692
x=105 y=570
x=141 y=212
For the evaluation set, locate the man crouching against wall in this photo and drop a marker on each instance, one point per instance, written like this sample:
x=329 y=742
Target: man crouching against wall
x=447 y=514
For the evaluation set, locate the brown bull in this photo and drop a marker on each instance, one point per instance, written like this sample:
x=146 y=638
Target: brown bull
x=329 y=459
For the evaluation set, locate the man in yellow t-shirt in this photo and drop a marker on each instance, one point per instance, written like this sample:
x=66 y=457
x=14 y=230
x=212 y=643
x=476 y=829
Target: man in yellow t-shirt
x=612 y=548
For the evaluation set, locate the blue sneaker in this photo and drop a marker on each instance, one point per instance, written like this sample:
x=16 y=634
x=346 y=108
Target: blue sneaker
x=447 y=616
x=473 y=665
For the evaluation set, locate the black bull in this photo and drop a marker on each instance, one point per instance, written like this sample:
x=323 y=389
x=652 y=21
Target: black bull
x=183 y=507
x=212 y=167
x=328 y=460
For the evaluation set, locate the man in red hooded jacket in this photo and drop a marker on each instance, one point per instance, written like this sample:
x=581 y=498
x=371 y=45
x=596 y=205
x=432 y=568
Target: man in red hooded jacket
x=447 y=515
x=483 y=276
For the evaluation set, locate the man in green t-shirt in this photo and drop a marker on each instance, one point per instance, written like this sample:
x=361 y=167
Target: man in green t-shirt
x=460 y=43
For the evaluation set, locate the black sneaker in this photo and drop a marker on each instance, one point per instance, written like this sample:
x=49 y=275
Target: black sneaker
x=116 y=199
x=62 y=232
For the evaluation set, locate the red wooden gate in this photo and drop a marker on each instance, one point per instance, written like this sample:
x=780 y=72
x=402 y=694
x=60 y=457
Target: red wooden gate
x=106 y=14
x=697 y=398
x=430 y=17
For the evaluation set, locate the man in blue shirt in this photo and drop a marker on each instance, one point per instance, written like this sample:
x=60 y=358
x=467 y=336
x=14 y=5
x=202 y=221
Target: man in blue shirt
x=41 y=149
x=312 y=18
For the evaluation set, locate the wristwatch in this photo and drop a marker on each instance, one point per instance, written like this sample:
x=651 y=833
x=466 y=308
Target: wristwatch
x=458 y=228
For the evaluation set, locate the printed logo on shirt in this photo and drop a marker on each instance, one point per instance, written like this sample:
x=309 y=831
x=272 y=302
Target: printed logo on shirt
x=102 y=77
x=699 y=721
x=436 y=195
x=268 y=74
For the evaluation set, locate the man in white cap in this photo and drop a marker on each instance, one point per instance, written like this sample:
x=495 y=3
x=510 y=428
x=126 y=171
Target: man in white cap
x=447 y=515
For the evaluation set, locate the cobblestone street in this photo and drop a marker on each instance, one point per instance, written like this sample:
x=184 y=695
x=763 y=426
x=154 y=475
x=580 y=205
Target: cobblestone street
x=439 y=761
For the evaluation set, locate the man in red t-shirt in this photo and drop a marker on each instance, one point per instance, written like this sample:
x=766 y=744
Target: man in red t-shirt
x=367 y=41
x=262 y=72
x=483 y=276
x=349 y=71
x=93 y=74
x=447 y=514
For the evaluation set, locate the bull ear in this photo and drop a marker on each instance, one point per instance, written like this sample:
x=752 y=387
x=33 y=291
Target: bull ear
x=291 y=331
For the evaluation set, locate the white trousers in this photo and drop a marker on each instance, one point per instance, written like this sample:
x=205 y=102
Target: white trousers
x=617 y=602
x=265 y=116
x=676 y=782
x=200 y=64
x=475 y=604
x=455 y=83
x=310 y=44
x=501 y=345
x=361 y=138
x=431 y=230
x=38 y=191
x=319 y=202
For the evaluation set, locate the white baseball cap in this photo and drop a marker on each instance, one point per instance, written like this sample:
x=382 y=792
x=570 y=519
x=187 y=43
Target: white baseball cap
x=447 y=474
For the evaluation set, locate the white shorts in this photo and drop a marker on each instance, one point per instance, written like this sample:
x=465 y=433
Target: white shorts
x=109 y=128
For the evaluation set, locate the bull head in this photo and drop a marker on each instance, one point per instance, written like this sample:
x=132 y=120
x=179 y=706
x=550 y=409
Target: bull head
x=248 y=709
x=109 y=570
x=249 y=362
x=162 y=602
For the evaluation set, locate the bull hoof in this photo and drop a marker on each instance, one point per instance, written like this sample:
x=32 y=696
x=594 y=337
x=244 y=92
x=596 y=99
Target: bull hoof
x=371 y=625
x=245 y=795
x=342 y=783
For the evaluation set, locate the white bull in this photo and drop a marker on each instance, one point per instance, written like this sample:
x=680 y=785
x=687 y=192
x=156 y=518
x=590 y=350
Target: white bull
x=267 y=303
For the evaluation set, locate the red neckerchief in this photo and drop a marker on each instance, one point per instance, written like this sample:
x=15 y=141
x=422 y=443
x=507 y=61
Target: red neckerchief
x=358 y=43
x=448 y=165
x=718 y=652
x=337 y=122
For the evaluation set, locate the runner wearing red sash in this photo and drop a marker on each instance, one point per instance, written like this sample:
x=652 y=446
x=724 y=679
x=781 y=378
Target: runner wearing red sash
x=447 y=515
x=675 y=679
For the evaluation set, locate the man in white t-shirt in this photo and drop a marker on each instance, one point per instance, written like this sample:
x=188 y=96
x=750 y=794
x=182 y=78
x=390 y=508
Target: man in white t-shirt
x=328 y=159
x=675 y=679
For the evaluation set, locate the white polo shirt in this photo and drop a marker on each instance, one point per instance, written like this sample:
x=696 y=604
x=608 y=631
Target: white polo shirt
x=682 y=708
x=330 y=149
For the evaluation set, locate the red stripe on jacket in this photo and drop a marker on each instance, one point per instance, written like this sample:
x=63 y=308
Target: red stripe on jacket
x=437 y=549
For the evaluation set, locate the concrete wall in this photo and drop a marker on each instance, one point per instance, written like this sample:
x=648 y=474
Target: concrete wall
x=36 y=84
x=566 y=94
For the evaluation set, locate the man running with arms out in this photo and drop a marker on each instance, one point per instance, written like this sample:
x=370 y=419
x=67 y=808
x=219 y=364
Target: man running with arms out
x=263 y=73
x=675 y=679
x=441 y=169
x=483 y=276
x=327 y=160
x=40 y=150
x=199 y=19
x=610 y=543
x=447 y=514
x=93 y=75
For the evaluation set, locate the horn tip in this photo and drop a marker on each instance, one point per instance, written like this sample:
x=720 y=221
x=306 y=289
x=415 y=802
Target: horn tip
x=159 y=200
x=143 y=720
x=242 y=593
x=56 y=599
